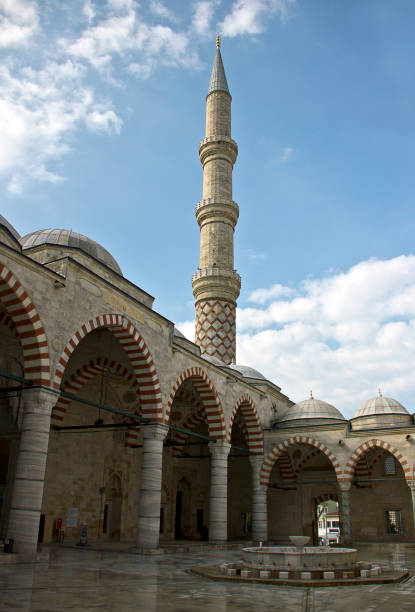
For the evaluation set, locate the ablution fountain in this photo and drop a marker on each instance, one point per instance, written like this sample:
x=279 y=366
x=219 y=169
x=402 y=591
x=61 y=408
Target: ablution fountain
x=301 y=564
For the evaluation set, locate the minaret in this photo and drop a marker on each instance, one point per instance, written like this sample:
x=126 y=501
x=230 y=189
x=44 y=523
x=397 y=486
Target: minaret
x=216 y=284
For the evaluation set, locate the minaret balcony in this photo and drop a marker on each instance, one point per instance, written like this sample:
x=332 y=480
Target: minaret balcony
x=218 y=147
x=217 y=209
x=214 y=282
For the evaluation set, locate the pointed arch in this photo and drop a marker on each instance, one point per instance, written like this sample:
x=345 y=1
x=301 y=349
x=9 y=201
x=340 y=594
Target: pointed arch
x=209 y=398
x=6 y=321
x=137 y=352
x=282 y=447
x=81 y=377
x=326 y=497
x=369 y=444
x=28 y=325
x=192 y=421
x=254 y=435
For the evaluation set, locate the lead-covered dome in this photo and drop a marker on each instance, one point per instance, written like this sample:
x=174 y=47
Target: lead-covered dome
x=247 y=372
x=380 y=405
x=381 y=411
x=312 y=411
x=73 y=240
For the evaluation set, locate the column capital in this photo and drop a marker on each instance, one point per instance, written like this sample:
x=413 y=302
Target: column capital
x=345 y=486
x=46 y=398
x=219 y=450
x=155 y=431
x=256 y=461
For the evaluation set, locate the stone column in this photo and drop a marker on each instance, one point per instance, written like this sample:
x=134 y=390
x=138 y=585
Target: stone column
x=218 y=507
x=259 y=501
x=150 y=486
x=345 y=512
x=28 y=484
x=411 y=485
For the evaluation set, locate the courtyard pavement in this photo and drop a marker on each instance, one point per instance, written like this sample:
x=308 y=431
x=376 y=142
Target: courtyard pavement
x=89 y=579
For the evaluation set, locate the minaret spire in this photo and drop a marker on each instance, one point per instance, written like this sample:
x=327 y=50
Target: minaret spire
x=216 y=284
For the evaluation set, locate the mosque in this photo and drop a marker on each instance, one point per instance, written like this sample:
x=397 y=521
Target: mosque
x=114 y=426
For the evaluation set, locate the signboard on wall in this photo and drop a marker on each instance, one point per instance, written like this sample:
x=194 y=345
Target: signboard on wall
x=72 y=517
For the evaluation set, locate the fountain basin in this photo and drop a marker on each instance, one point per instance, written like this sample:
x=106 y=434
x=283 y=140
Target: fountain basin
x=292 y=558
x=300 y=540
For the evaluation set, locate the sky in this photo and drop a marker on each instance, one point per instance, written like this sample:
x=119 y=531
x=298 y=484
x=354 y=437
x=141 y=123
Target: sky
x=101 y=113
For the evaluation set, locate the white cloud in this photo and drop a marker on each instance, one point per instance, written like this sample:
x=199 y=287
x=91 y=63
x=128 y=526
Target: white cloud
x=19 y=21
x=188 y=329
x=255 y=255
x=285 y=155
x=251 y=16
x=39 y=110
x=202 y=17
x=103 y=120
x=260 y=296
x=89 y=11
x=342 y=335
x=160 y=9
x=123 y=34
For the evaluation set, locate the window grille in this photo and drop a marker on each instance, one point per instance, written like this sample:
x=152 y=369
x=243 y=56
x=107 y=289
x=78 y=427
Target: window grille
x=389 y=465
x=394 y=522
x=118 y=436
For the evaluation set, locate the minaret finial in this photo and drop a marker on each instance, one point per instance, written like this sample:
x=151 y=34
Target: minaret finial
x=218 y=41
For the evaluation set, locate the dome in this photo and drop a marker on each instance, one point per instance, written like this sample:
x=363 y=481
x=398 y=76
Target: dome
x=380 y=405
x=68 y=238
x=9 y=227
x=313 y=408
x=247 y=372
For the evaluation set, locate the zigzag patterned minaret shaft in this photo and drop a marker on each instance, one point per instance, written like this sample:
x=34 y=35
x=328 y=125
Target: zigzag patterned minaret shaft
x=216 y=284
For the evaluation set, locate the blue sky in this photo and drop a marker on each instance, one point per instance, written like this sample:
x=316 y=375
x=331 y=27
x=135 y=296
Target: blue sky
x=102 y=110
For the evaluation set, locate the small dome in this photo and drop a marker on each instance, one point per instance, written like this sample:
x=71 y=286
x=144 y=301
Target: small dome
x=9 y=227
x=247 y=372
x=313 y=408
x=380 y=405
x=68 y=238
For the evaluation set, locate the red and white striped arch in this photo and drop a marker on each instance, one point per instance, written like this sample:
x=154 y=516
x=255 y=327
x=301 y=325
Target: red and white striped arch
x=366 y=446
x=292 y=441
x=7 y=322
x=253 y=431
x=81 y=377
x=208 y=397
x=192 y=421
x=137 y=352
x=28 y=325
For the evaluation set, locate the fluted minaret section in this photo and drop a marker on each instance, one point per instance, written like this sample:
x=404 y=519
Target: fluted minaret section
x=216 y=284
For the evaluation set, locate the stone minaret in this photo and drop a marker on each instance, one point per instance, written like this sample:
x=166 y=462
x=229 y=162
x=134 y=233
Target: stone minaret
x=216 y=284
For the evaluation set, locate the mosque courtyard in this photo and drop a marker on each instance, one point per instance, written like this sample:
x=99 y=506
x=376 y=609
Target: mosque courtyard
x=89 y=579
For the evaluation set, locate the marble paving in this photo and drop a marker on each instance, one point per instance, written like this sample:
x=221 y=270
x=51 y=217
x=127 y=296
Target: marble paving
x=85 y=579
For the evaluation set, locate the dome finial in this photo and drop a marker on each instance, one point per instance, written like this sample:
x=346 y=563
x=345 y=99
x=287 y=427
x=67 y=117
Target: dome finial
x=379 y=392
x=311 y=395
x=218 y=41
